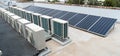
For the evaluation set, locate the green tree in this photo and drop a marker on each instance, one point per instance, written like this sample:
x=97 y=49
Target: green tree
x=53 y=1
x=69 y=1
x=113 y=3
x=93 y=2
x=75 y=1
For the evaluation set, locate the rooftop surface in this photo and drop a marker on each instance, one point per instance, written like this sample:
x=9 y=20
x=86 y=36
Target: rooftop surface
x=87 y=44
x=83 y=43
x=13 y=44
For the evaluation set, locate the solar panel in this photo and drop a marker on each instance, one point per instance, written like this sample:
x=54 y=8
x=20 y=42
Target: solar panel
x=73 y=21
x=87 y=22
x=36 y=9
x=48 y=11
x=31 y=8
x=43 y=11
x=53 y=12
x=60 y=14
x=103 y=26
x=68 y=16
x=95 y=24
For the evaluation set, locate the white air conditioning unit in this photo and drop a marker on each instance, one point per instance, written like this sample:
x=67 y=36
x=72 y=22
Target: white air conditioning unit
x=60 y=28
x=2 y=11
x=15 y=10
x=19 y=13
x=36 y=18
x=45 y=22
x=36 y=36
x=6 y=16
x=13 y=21
x=60 y=31
x=29 y=15
x=11 y=9
x=23 y=14
x=21 y=26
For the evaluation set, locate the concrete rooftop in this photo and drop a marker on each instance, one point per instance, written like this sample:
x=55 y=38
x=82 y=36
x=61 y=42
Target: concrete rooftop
x=87 y=44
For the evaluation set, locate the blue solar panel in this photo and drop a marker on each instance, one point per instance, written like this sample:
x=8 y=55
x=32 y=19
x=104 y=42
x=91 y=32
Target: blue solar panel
x=53 y=12
x=73 y=21
x=60 y=14
x=30 y=8
x=87 y=22
x=40 y=11
x=37 y=9
x=95 y=24
x=48 y=11
x=103 y=26
x=43 y=11
x=68 y=16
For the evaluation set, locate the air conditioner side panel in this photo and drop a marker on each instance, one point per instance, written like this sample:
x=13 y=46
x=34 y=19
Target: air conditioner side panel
x=39 y=39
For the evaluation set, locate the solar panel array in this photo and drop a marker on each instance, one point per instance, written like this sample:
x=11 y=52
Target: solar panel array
x=95 y=24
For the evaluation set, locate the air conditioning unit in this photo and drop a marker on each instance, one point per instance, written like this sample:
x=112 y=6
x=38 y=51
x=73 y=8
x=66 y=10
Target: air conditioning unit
x=19 y=13
x=11 y=9
x=45 y=22
x=36 y=36
x=21 y=26
x=60 y=31
x=23 y=14
x=8 y=17
x=13 y=21
x=2 y=11
x=29 y=16
x=36 y=18
x=7 y=14
x=15 y=10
